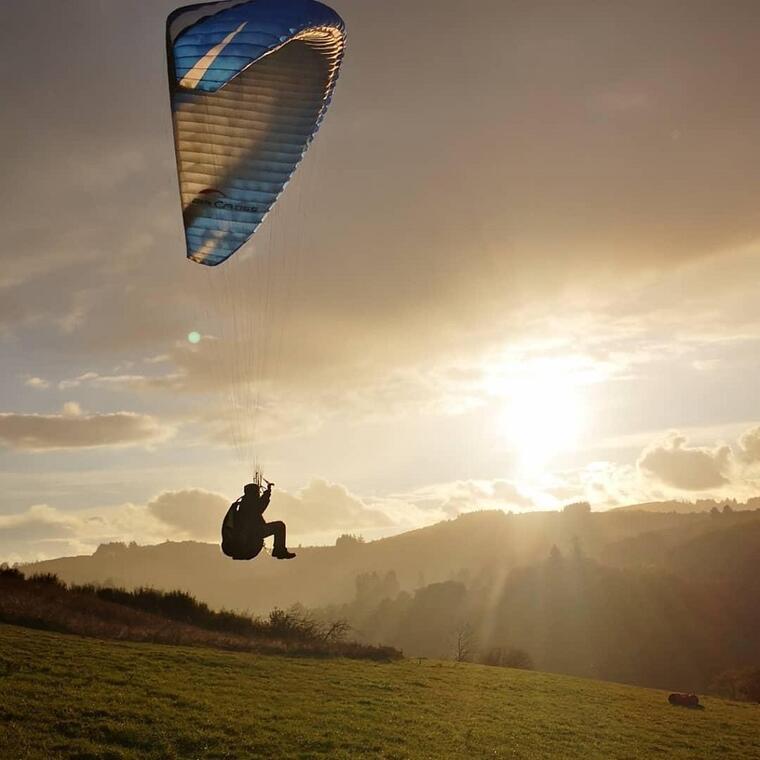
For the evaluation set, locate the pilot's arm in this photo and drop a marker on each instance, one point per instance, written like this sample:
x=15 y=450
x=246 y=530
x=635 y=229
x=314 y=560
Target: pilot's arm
x=265 y=497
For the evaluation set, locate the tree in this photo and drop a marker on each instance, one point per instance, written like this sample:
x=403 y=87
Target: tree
x=371 y=589
x=336 y=631
x=577 y=509
x=464 y=642
x=110 y=549
x=348 y=540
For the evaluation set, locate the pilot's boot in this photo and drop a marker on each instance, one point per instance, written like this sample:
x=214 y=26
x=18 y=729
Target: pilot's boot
x=280 y=549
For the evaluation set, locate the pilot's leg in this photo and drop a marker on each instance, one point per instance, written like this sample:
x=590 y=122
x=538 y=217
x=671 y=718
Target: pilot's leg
x=276 y=529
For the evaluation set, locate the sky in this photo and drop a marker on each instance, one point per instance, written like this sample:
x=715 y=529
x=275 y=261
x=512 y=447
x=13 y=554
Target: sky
x=517 y=268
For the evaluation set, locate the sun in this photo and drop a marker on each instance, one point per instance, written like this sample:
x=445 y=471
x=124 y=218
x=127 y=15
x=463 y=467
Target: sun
x=543 y=418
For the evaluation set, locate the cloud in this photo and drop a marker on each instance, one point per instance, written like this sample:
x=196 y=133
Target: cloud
x=45 y=532
x=195 y=513
x=399 y=311
x=74 y=430
x=39 y=522
x=603 y=484
x=454 y=498
x=430 y=280
x=36 y=382
x=749 y=446
x=320 y=509
x=676 y=464
x=317 y=513
x=666 y=466
x=172 y=381
x=323 y=507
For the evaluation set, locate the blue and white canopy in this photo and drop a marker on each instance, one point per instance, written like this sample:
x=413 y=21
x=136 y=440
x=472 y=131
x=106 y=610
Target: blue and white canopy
x=250 y=83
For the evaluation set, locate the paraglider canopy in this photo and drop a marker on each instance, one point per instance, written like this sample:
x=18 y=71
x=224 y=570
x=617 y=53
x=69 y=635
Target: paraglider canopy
x=250 y=83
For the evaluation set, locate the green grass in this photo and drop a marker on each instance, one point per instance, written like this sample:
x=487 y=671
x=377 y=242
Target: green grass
x=64 y=696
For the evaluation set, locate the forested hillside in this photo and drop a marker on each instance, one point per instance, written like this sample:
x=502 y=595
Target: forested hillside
x=663 y=599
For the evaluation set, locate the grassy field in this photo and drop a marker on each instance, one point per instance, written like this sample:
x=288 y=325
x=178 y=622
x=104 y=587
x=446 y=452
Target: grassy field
x=64 y=696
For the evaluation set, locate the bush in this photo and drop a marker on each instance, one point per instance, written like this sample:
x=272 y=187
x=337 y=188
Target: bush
x=173 y=617
x=296 y=624
x=47 y=579
x=176 y=605
x=10 y=573
x=293 y=626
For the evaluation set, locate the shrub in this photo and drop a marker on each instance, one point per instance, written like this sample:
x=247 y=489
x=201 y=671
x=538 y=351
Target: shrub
x=10 y=573
x=47 y=579
x=173 y=617
x=294 y=624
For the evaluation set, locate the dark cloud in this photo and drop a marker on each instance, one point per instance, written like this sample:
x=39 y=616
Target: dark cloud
x=195 y=513
x=74 y=430
x=492 y=123
x=483 y=178
x=676 y=464
x=510 y=495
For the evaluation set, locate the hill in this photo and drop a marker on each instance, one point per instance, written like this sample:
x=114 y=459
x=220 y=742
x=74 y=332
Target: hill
x=690 y=507
x=664 y=600
x=474 y=545
x=127 y=700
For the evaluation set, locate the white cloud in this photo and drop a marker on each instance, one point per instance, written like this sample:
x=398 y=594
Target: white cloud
x=323 y=507
x=457 y=497
x=170 y=381
x=37 y=382
x=72 y=409
x=318 y=512
x=668 y=467
x=603 y=484
x=749 y=446
x=75 y=382
x=45 y=532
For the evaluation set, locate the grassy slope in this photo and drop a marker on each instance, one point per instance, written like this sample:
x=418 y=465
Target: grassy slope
x=63 y=696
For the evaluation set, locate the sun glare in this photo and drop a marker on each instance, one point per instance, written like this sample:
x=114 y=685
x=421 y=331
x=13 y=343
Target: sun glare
x=542 y=419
